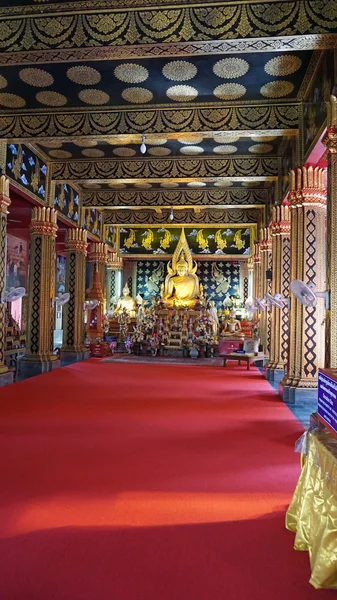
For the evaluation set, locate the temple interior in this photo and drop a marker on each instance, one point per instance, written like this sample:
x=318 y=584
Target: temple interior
x=168 y=299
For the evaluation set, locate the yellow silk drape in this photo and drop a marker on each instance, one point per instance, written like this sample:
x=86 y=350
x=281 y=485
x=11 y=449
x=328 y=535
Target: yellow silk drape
x=312 y=514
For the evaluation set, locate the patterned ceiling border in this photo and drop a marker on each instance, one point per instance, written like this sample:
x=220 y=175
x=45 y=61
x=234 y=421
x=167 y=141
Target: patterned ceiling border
x=18 y=127
x=164 y=168
x=105 y=53
x=150 y=217
x=120 y=27
x=139 y=198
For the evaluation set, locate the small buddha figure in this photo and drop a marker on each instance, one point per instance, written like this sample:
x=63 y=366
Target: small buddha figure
x=232 y=327
x=181 y=283
x=127 y=302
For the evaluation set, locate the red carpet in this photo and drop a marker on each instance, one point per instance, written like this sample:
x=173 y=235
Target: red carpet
x=148 y=482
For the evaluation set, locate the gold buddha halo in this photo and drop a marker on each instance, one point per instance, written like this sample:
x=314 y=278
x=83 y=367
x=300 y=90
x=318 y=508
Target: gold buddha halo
x=153 y=141
x=230 y=68
x=179 y=70
x=169 y=185
x=11 y=100
x=286 y=64
x=229 y=91
x=3 y=82
x=191 y=150
x=191 y=138
x=84 y=75
x=260 y=148
x=196 y=184
x=36 y=77
x=182 y=93
x=85 y=143
x=137 y=95
x=159 y=151
x=51 y=144
x=92 y=96
x=277 y=89
x=224 y=138
x=93 y=153
x=60 y=154
x=225 y=149
x=143 y=186
x=51 y=98
x=131 y=73
x=124 y=151
x=263 y=138
x=223 y=183
x=118 y=186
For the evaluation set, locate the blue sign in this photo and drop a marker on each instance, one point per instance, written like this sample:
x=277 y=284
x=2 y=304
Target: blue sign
x=327 y=398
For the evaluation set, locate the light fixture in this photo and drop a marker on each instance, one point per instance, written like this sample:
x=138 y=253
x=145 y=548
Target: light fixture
x=143 y=145
x=171 y=215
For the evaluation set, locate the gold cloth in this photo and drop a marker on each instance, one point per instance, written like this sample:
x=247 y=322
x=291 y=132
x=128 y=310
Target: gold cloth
x=312 y=513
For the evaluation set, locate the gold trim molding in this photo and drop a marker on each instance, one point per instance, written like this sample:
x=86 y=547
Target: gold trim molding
x=147 y=217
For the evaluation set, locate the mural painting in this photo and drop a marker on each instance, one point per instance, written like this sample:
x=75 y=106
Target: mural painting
x=16 y=262
x=26 y=169
x=93 y=221
x=66 y=201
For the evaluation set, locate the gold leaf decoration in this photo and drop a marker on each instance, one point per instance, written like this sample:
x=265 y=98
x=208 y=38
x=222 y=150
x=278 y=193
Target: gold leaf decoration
x=60 y=154
x=191 y=150
x=250 y=183
x=11 y=100
x=137 y=95
x=260 y=148
x=169 y=185
x=179 y=70
x=225 y=149
x=143 y=186
x=155 y=141
x=277 y=89
x=286 y=64
x=229 y=91
x=159 y=151
x=131 y=73
x=92 y=186
x=263 y=138
x=84 y=75
x=191 y=138
x=223 y=183
x=93 y=153
x=182 y=93
x=94 y=97
x=51 y=98
x=196 y=184
x=230 y=68
x=124 y=151
x=223 y=138
x=118 y=186
x=51 y=144
x=36 y=77
x=3 y=82
x=85 y=143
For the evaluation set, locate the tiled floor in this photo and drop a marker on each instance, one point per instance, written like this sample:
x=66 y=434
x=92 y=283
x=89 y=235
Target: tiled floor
x=302 y=410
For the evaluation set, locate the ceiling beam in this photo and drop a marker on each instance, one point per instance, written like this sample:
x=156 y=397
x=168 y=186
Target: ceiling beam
x=151 y=217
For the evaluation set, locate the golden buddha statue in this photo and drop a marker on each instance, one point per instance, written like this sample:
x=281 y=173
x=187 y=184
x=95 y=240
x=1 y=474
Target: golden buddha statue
x=181 y=283
x=127 y=302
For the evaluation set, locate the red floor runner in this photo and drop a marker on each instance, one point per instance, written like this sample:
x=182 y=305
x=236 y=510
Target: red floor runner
x=148 y=482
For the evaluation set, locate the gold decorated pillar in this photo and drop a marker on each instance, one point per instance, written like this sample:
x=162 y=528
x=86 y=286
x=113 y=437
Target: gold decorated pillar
x=41 y=293
x=330 y=140
x=73 y=317
x=5 y=376
x=266 y=265
x=250 y=266
x=98 y=258
x=280 y=238
x=115 y=267
x=257 y=271
x=307 y=200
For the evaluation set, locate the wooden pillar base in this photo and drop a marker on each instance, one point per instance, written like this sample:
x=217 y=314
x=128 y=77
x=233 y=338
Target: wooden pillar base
x=28 y=367
x=6 y=378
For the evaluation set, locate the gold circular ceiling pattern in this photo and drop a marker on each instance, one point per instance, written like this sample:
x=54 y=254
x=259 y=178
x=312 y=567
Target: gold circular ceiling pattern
x=182 y=93
x=223 y=183
x=60 y=154
x=84 y=75
x=225 y=149
x=94 y=97
x=92 y=186
x=250 y=183
x=229 y=91
x=179 y=70
x=196 y=184
x=85 y=143
x=131 y=73
x=51 y=98
x=224 y=137
x=36 y=77
x=137 y=95
x=191 y=150
x=191 y=138
x=159 y=151
x=11 y=100
x=260 y=148
x=153 y=141
x=117 y=186
x=3 y=82
x=124 y=151
x=263 y=138
x=143 y=186
x=51 y=144
x=230 y=68
x=277 y=89
x=285 y=64
x=169 y=184
x=93 y=153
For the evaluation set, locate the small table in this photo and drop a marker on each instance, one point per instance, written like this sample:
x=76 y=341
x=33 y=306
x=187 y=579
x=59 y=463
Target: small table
x=247 y=357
